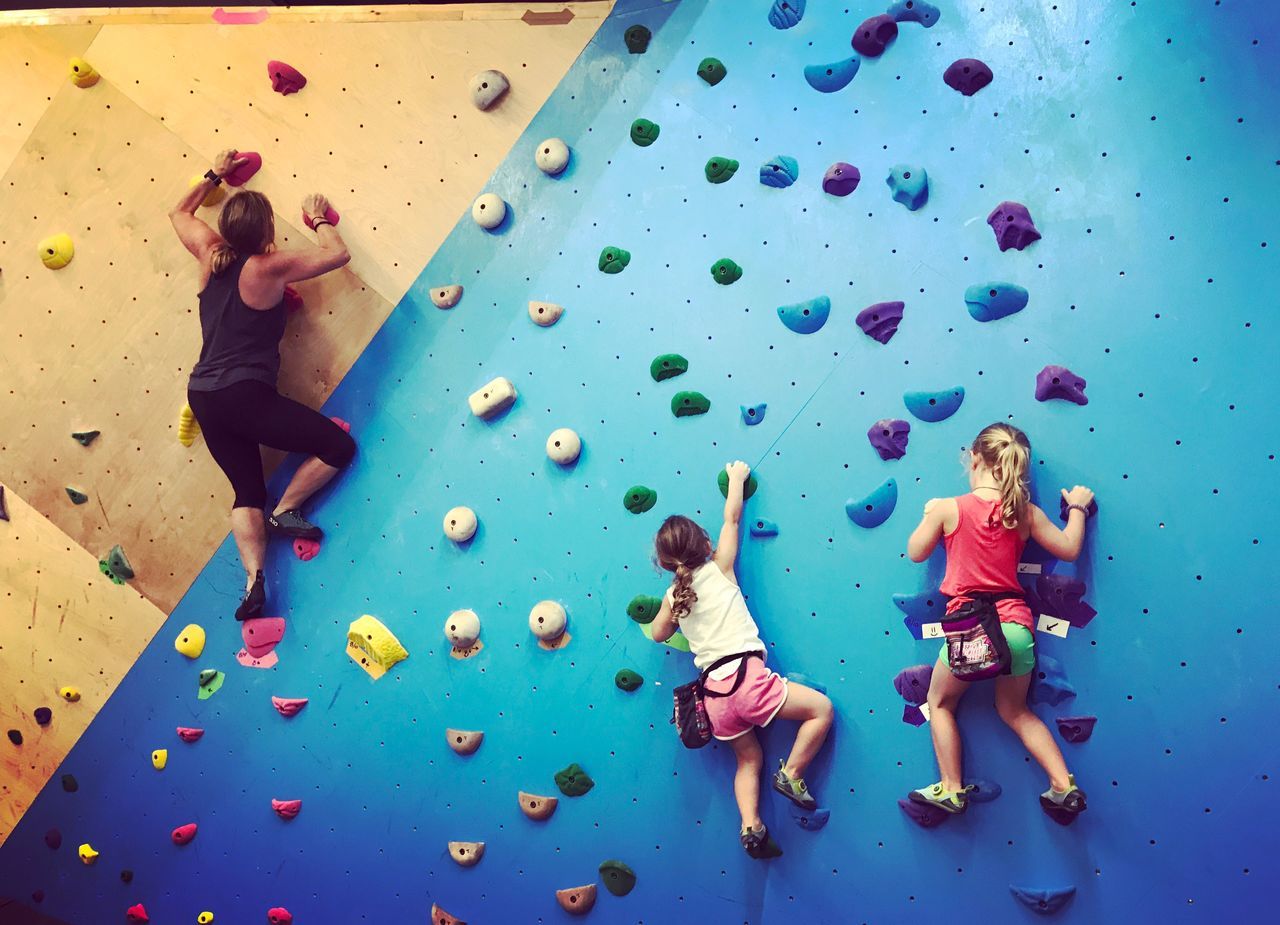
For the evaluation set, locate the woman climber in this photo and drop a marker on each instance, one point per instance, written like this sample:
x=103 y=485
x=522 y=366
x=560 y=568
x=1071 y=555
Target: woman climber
x=984 y=533
x=707 y=605
x=232 y=389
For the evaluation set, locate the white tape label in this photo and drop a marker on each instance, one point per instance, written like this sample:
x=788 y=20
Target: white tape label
x=1028 y=568
x=924 y=711
x=1055 y=625
x=931 y=630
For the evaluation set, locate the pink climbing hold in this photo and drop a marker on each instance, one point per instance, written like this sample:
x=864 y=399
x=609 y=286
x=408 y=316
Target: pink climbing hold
x=288 y=706
x=292 y=299
x=279 y=916
x=330 y=215
x=241 y=175
x=285 y=79
x=183 y=834
x=341 y=423
x=286 y=809
x=137 y=913
x=306 y=549
x=188 y=734
x=262 y=634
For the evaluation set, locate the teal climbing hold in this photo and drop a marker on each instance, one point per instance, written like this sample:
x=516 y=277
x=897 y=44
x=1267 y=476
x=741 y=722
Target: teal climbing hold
x=934 y=406
x=1041 y=900
x=573 y=781
x=644 y=132
x=686 y=404
x=116 y=565
x=639 y=499
x=644 y=607
x=875 y=508
x=762 y=527
x=725 y=272
x=806 y=317
x=613 y=260
x=748 y=489
x=910 y=185
x=719 y=169
x=85 y=437
x=926 y=14
x=712 y=70
x=76 y=495
x=668 y=366
x=779 y=172
x=627 y=680
x=993 y=301
x=828 y=78
x=753 y=414
x=618 y=878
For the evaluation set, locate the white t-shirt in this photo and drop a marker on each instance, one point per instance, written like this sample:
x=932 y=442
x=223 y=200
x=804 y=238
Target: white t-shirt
x=719 y=623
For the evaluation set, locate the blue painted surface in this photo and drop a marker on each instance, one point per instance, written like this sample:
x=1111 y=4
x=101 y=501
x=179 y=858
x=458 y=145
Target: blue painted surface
x=1151 y=281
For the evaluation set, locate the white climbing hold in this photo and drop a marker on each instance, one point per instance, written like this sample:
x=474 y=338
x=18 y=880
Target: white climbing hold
x=462 y=629
x=547 y=621
x=552 y=156
x=466 y=853
x=446 y=296
x=493 y=398
x=487 y=87
x=536 y=807
x=545 y=314
x=463 y=741
x=564 y=446
x=460 y=524
x=488 y=210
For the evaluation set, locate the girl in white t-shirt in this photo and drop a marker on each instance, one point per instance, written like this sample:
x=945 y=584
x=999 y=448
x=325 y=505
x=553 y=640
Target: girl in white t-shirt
x=706 y=604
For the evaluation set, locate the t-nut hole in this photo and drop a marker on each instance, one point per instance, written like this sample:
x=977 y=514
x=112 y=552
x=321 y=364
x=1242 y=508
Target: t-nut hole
x=906 y=175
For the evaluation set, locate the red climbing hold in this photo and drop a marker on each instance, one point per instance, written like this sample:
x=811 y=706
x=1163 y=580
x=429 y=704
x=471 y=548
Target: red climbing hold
x=292 y=299
x=187 y=734
x=183 y=834
x=137 y=913
x=244 y=173
x=286 y=809
x=284 y=78
x=288 y=706
x=306 y=549
x=330 y=215
x=262 y=634
x=341 y=423
x=279 y=916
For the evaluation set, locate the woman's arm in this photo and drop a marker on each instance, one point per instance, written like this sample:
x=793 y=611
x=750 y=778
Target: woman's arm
x=924 y=539
x=1062 y=544
x=726 y=553
x=195 y=235
x=664 y=625
x=292 y=266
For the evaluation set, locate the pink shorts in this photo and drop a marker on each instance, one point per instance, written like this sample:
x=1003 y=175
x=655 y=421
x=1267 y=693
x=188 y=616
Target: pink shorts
x=755 y=703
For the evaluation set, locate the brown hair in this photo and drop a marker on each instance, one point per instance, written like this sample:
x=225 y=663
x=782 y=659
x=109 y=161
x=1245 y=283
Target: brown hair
x=681 y=546
x=247 y=225
x=1006 y=451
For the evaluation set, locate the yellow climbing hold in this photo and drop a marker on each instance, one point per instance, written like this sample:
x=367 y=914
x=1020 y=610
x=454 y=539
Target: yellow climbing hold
x=56 y=251
x=87 y=854
x=211 y=198
x=190 y=641
x=69 y=694
x=82 y=73
x=204 y=918
x=159 y=758
x=374 y=647
x=188 y=426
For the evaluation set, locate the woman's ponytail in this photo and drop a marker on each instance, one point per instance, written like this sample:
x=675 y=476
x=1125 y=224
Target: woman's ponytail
x=1007 y=453
x=224 y=255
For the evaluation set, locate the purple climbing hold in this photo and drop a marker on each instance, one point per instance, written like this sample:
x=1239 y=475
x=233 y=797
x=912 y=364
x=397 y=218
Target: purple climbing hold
x=889 y=437
x=880 y=321
x=1060 y=596
x=37 y=896
x=1049 y=684
x=912 y=715
x=53 y=838
x=927 y=817
x=15 y=736
x=872 y=37
x=1060 y=382
x=841 y=179
x=967 y=76
x=1044 y=902
x=1063 y=510
x=913 y=683
x=44 y=716
x=1076 y=728
x=1013 y=226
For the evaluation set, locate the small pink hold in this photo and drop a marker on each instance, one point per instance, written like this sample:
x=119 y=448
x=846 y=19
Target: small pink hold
x=286 y=809
x=137 y=913
x=279 y=916
x=306 y=549
x=285 y=79
x=241 y=175
x=292 y=299
x=288 y=706
x=270 y=660
x=183 y=834
x=262 y=634
x=239 y=17
x=341 y=423
x=330 y=215
x=187 y=734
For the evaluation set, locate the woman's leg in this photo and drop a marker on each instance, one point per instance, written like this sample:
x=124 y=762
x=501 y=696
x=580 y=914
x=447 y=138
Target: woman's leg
x=746 y=779
x=285 y=424
x=945 y=692
x=814 y=712
x=1011 y=704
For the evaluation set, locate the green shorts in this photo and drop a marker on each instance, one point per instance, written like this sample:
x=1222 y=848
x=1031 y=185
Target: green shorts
x=1022 y=647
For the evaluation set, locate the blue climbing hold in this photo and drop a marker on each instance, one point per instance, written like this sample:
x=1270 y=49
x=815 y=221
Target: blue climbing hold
x=763 y=527
x=922 y=608
x=779 y=172
x=786 y=13
x=1050 y=684
x=1043 y=901
x=806 y=317
x=875 y=508
x=992 y=301
x=810 y=820
x=926 y=14
x=753 y=414
x=983 y=791
x=828 y=78
x=910 y=185
x=933 y=407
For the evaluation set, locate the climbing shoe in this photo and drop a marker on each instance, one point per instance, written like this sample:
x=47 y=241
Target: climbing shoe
x=291 y=523
x=254 y=600
x=1072 y=800
x=954 y=802
x=793 y=788
x=758 y=844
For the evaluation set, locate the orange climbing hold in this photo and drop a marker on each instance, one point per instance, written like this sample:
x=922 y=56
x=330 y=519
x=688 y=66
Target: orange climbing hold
x=440 y=917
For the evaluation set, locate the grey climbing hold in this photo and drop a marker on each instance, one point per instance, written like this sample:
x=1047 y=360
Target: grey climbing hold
x=573 y=781
x=627 y=680
x=668 y=366
x=873 y=509
x=753 y=414
x=779 y=172
x=552 y=157
x=116 y=565
x=748 y=489
x=489 y=211
x=1060 y=382
x=828 y=78
x=545 y=314
x=618 y=878
x=720 y=169
x=874 y=35
x=637 y=39
x=993 y=301
x=85 y=437
x=806 y=317
x=880 y=321
x=762 y=527
x=933 y=407
x=487 y=87
x=639 y=498
x=687 y=404
x=613 y=260
x=492 y=399
x=1041 y=900
x=967 y=76
x=446 y=296
x=464 y=741
x=76 y=495
x=926 y=14
x=564 y=446
x=889 y=437
x=786 y=13
x=841 y=179
x=1013 y=227
x=909 y=184
x=644 y=607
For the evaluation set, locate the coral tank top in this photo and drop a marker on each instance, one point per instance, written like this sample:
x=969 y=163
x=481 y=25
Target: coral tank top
x=982 y=555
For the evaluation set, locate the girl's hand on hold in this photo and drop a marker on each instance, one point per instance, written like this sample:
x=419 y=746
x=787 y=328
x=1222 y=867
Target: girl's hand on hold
x=738 y=470
x=315 y=205
x=1078 y=495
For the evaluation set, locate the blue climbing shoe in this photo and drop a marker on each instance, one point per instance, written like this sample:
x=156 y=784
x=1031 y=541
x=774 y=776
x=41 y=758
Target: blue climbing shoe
x=954 y=802
x=292 y=524
x=793 y=788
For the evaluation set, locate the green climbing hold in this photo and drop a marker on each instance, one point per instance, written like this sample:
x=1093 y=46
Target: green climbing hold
x=619 y=879
x=76 y=496
x=573 y=781
x=668 y=366
x=676 y=640
x=684 y=404
x=613 y=260
x=719 y=169
x=712 y=70
x=210 y=683
x=644 y=132
x=85 y=437
x=116 y=565
x=748 y=489
x=644 y=607
x=726 y=272
x=640 y=498
x=627 y=680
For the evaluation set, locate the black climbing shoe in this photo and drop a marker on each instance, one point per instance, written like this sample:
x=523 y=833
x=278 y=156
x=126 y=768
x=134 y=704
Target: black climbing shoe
x=254 y=600
x=949 y=801
x=291 y=523
x=793 y=788
x=758 y=844
x=1071 y=802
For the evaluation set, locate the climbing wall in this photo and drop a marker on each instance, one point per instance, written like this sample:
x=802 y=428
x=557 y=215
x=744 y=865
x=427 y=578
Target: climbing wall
x=1139 y=138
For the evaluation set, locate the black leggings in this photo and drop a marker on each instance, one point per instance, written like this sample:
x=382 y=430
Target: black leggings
x=236 y=419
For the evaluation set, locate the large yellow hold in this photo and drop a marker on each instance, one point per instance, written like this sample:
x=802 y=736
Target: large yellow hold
x=188 y=426
x=82 y=73
x=56 y=251
x=190 y=641
x=87 y=854
x=374 y=647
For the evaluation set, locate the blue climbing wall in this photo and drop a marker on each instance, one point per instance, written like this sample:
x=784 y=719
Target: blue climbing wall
x=1141 y=136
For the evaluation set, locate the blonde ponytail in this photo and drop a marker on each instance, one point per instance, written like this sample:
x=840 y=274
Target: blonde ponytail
x=223 y=256
x=247 y=225
x=1007 y=453
x=682 y=594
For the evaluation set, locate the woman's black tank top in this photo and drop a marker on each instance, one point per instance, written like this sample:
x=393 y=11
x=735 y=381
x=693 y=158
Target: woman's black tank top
x=239 y=342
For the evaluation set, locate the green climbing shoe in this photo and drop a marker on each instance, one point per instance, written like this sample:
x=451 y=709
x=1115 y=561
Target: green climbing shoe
x=793 y=788
x=1072 y=800
x=954 y=802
